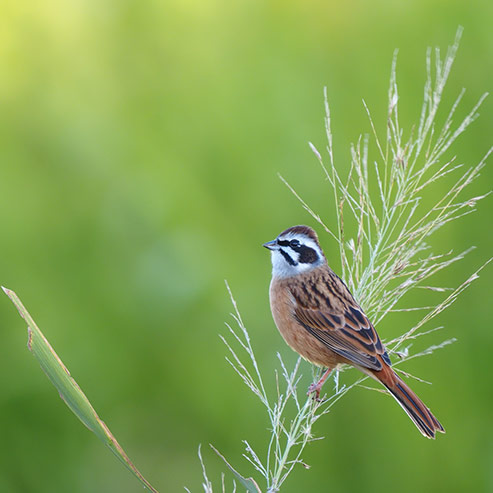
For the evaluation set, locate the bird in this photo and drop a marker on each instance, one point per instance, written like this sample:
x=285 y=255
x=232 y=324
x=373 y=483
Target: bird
x=319 y=318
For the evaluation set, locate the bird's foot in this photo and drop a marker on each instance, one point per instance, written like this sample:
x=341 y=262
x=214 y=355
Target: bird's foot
x=316 y=387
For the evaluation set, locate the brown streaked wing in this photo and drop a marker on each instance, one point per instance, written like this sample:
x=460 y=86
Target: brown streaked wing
x=350 y=334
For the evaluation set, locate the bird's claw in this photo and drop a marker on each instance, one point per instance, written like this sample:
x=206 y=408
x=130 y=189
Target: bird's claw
x=314 y=388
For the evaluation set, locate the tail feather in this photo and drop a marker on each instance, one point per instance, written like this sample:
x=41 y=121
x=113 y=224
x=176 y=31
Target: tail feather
x=422 y=417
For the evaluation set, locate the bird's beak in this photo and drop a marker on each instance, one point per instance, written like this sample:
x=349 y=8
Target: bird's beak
x=271 y=245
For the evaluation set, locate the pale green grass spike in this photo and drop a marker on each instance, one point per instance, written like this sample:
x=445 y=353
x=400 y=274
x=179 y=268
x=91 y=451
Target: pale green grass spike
x=249 y=483
x=68 y=389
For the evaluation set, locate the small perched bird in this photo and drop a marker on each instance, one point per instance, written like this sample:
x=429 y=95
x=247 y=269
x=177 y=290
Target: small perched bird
x=318 y=317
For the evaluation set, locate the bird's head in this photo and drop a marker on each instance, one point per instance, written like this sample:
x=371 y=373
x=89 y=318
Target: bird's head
x=295 y=251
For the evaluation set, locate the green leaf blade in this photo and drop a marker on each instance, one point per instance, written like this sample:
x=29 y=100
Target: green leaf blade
x=68 y=389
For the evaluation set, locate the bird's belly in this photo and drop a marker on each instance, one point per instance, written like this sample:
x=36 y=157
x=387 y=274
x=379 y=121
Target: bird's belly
x=298 y=338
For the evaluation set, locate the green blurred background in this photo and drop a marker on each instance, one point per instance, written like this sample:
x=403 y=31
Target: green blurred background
x=140 y=144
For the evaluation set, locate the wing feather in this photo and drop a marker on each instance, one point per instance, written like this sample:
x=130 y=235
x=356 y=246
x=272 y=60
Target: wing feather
x=348 y=333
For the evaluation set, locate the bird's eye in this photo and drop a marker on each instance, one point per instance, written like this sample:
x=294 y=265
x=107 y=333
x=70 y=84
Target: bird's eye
x=294 y=244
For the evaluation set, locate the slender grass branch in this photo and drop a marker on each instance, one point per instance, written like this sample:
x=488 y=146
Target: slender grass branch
x=382 y=232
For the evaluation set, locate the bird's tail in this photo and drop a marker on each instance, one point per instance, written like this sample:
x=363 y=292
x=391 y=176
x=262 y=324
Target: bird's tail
x=422 y=417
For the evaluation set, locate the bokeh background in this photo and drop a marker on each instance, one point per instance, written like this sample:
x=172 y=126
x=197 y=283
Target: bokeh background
x=140 y=146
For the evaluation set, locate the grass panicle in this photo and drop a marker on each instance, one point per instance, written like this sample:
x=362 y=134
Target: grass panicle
x=382 y=231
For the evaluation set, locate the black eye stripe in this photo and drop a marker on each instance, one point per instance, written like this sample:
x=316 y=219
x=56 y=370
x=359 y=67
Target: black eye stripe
x=294 y=244
x=306 y=254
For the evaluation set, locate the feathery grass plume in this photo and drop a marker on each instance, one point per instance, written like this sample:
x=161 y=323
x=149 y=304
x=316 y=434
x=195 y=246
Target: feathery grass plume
x=382 y=239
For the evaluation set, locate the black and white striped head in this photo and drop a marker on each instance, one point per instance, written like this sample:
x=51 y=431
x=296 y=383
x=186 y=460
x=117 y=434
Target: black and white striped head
x=295 y=251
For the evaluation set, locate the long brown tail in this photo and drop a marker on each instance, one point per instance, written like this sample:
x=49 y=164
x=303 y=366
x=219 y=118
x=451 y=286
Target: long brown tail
x=422 y=417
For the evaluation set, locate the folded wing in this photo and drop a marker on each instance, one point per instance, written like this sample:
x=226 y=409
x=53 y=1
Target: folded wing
x=348 y=333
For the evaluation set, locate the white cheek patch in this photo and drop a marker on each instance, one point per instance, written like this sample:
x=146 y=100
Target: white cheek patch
x=281 y=268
